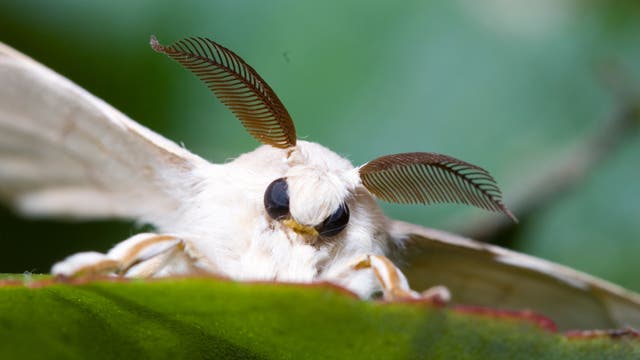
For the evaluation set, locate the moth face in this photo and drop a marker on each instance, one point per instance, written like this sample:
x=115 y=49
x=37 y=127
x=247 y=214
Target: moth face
x=312 y=198
x=277 y=203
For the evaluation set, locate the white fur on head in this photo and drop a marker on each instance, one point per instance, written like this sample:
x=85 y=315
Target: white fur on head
x=319 y=181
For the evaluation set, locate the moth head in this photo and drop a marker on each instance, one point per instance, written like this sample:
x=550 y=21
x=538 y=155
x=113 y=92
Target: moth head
x=316 y=195
x=314 y=198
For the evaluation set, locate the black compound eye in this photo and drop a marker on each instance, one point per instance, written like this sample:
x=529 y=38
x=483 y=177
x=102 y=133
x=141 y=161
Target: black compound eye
x=335 y=223
x=276 y=199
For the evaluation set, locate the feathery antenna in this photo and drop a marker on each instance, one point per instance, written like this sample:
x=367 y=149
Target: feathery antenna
x=237 y=85
x=431 y=178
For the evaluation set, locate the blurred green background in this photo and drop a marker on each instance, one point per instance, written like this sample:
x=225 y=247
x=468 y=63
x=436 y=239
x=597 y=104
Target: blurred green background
x=508 y=85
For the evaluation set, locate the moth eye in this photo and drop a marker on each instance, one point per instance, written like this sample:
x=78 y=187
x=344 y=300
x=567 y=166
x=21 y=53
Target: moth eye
x=335 y=223
x=276 y=199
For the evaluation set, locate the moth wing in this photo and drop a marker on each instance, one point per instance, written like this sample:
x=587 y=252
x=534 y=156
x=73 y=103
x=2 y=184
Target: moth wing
x=65 y=152
x=486 y=275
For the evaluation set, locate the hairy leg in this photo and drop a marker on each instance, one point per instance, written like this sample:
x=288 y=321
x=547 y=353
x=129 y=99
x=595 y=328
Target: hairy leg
x=394 y=284
x=142 y=255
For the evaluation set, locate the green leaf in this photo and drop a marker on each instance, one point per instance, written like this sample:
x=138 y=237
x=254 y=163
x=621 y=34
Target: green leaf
x=208 y=318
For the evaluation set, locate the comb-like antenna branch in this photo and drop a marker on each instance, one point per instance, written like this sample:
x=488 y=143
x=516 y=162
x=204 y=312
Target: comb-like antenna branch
x=431 y=178
x=237 y=85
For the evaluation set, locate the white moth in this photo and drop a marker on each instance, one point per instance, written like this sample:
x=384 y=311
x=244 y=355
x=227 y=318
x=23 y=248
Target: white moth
x=290 y=210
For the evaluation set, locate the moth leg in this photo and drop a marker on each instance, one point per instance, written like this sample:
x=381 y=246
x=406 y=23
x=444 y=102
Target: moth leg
x=394 y=284
x=142 y=255
x=84 y=263
x=158 y=259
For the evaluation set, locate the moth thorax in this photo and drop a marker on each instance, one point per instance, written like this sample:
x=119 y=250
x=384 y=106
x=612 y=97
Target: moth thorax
x=315 y=194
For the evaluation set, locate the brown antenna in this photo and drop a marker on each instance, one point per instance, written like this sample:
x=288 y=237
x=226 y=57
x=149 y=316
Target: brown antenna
x=431 y=178
x=237 y=85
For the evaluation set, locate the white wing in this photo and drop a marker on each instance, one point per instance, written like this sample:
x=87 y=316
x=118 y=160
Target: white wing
x=487 y=275
x=65 y=152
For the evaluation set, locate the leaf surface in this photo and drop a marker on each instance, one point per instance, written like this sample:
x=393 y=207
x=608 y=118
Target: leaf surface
x=208 y=318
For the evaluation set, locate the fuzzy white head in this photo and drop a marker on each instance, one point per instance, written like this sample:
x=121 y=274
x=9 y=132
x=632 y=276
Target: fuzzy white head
x=298 y=214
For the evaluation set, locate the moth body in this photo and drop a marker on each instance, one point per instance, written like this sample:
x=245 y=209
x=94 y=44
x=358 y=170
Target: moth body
x=290 y=210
